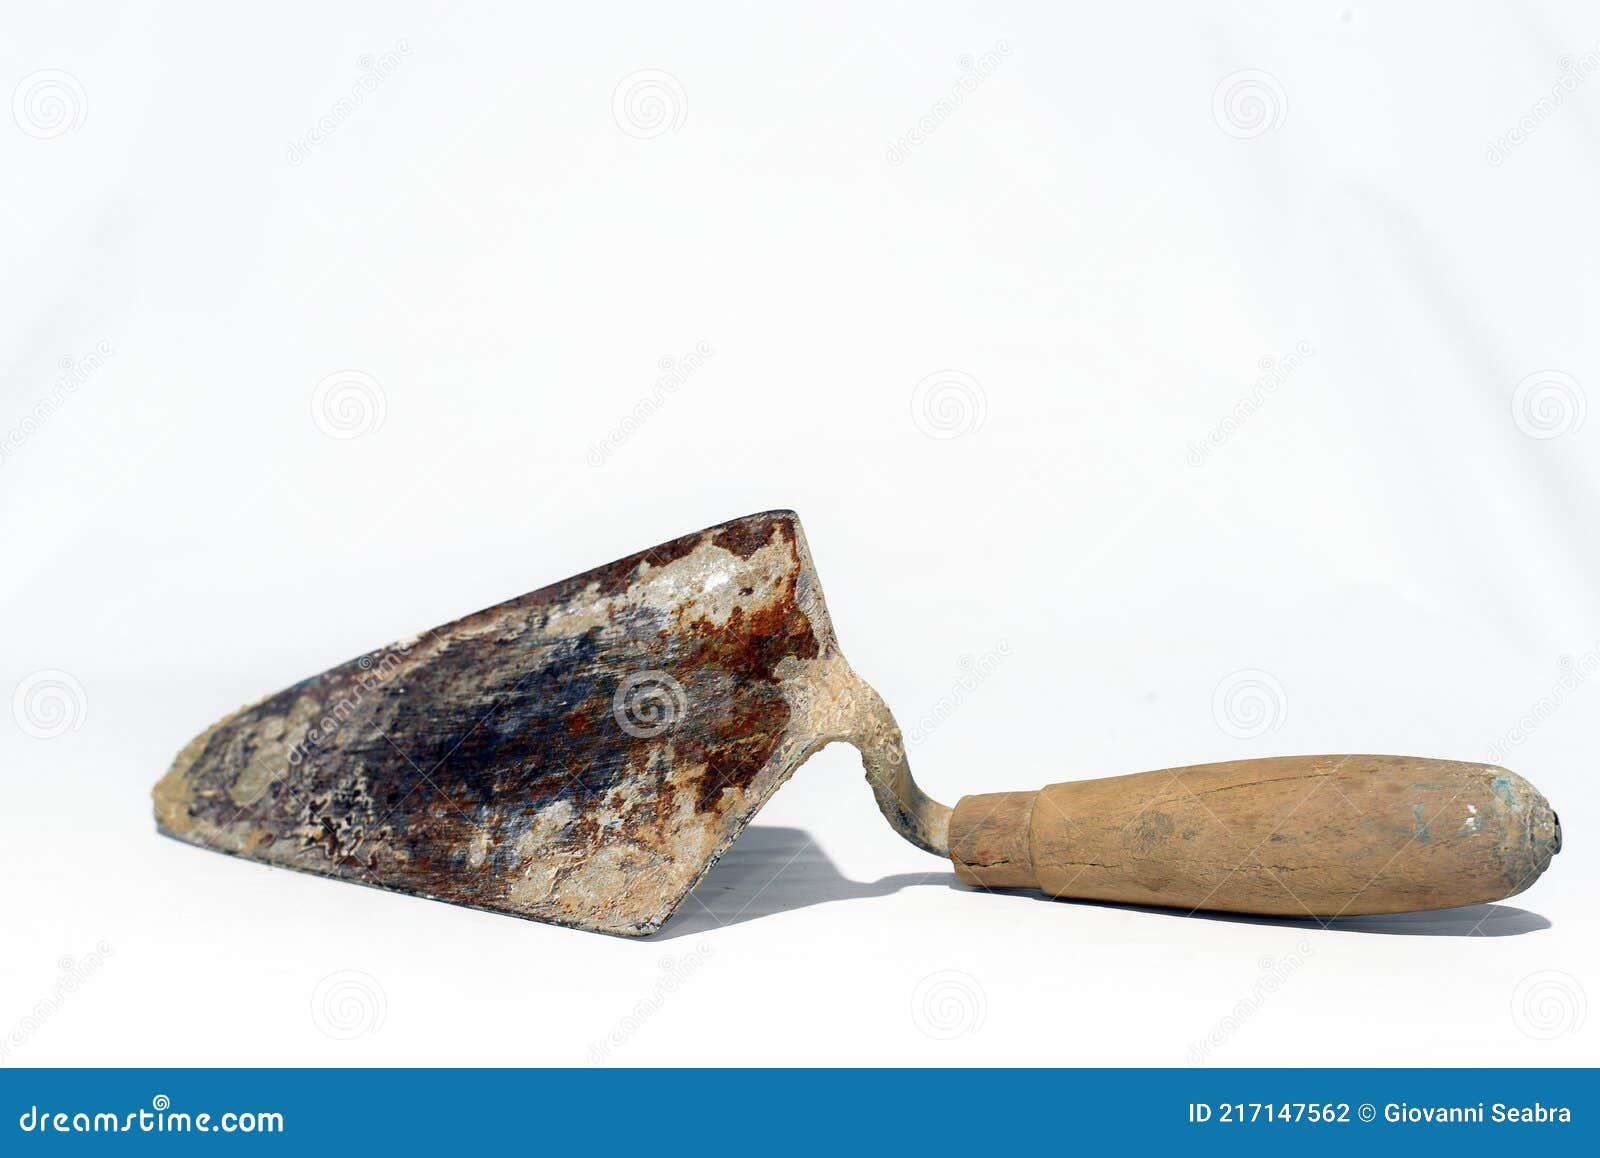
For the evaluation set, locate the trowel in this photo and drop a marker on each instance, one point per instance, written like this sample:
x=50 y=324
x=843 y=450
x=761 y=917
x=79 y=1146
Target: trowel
x=585 y=753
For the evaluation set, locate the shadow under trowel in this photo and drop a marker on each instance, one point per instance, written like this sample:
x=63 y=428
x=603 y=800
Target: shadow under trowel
x=773 y=869
x=1494 y=920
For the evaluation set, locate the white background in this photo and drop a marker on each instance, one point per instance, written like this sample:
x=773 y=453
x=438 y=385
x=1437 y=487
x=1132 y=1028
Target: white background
x=1093 y=249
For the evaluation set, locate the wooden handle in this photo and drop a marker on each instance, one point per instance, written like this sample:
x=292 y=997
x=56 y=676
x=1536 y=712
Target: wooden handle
x=1298 y=836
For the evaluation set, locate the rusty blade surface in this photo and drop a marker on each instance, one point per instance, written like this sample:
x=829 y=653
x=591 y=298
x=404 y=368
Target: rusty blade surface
x=580 y=755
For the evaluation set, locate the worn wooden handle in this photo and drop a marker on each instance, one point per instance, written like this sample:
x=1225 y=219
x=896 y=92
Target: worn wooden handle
x=1321 y=836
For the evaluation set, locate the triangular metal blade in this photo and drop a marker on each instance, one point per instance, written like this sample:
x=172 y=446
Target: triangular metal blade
x=580 y=755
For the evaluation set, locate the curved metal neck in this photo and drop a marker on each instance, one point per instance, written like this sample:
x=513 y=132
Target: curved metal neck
x=910 y=811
